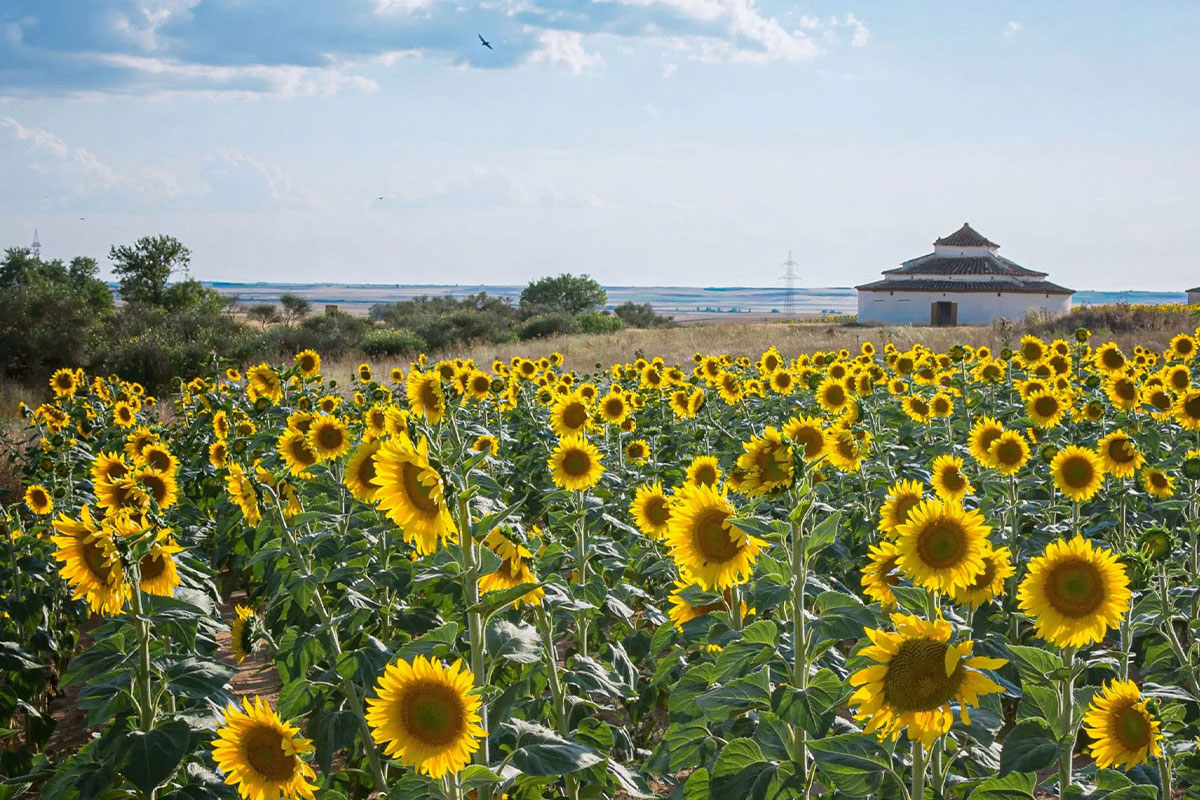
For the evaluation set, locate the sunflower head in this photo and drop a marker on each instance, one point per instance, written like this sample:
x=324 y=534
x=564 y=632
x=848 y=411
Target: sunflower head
x=261 y=754
x=575 y=464
x=942 y=545
x=38 y=500
x=411 y=492
x=947 y=478
x=1077 y=472
x=651 y=510
x=704 y=471
x=704 y=543
x=1123 y=731
x=1075 y=592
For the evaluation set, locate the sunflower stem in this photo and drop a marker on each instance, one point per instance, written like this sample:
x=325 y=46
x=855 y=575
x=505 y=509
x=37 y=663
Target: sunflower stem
x=1164 y=776
x=558 y=697
x=918 y=770
x=475 y=620
x=145 y=689
x=1067 y=723
x=581 y=568
x=1164 y=598
x=799 y=621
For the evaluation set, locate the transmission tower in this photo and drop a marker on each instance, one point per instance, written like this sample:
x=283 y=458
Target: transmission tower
x=36 y=247
x=789 y=285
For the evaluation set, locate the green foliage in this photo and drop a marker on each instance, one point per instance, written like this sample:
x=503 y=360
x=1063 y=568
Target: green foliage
x=641 y=315
x=51 y=313
x=295 y=307
x=598 y=322
x=566 y=294
x=144 y=268
x=444 y=322
x=392 y=342
x=548 y=325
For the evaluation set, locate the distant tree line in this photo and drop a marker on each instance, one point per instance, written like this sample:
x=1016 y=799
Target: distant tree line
x=168 y=324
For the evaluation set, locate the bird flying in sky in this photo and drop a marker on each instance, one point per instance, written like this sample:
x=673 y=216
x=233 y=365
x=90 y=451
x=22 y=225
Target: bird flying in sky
x=485 y=42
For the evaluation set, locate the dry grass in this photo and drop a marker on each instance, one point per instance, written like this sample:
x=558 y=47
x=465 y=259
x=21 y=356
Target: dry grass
x=13 y=436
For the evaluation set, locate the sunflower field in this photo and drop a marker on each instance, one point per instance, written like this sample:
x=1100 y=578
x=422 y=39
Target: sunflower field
x=878 y=574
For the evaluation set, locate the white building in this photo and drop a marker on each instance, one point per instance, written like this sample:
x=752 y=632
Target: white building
x=962 y=282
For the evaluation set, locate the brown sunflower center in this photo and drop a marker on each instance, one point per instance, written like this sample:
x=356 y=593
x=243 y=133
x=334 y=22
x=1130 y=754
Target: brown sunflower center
x=307 y=363
x=772 y=464
x=574 y=415
x=705 y=475
x=919 y=407
x=1045 y=406
x=264 y=751
x=1113 y=358
x=1158 y=480
x=1191 y=406
x=712 y=538
x=429 y=396
x=433 y=713
x=916 y=678
x=1120 y=451
x=419 y=494
x=1009 y=453
x=985 y=578
x=1075 y=588
x=153 y=566
x=1131 y=728
x=365 y=473
x=576 y=462
x=903 y=505
x=39 y=497
x=810 y=440
x=942 y=543
x=97 y=561
x=835 y=395
x=846 y=446
x=952 y=479
x=331 y=437
x=1077 y=472
x=656 y=511
x=301 y=453
x=156 y=486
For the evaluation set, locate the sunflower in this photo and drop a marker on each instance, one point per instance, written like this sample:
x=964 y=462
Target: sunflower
x=947 y=478
x=1187 y=410
x=902 y=497
x=1077 y=472
x=918 y=674
x=880 y=574
x=846 y=450
x=1119 y=454
x=637 y=450
x=613 y=407
x=1031 y=350
x=360 y=471
x=425 y=715
x=1123 y=731
x=364 y=372
x=730 y=388
x=917 y=409
x=425 y=395
x=513 y=571
x=156 y=456
x=327 y=437
x=570 y=415
x=704 y=471
x=1075 y=592
x=705 y=545
x=1008 y=452
x=411 y=492
x=1109 y=359
x=294 y=449
x=989 y=584
x=90 y=562
x=682 y=612
x=64 y=382
x=766 y=463
x=241 y=633
x=123 y=414
x=808 y=434
x=157 y=568
x=1045 y=408
x=575 y=464
x=262 y=381
x=122 y=494
x=1158 y=483
x=261 y=754
x=486 y=444
x=309 y=363
x=681 y=405
x=651 y=510
x=159 y=485
x=109 y=467
x=942 y=545
x=242 y=494
x=38 y=500
x=833 y=395
x=985 y=431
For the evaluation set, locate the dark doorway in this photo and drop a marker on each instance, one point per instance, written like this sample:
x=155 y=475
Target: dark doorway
x=943 y=313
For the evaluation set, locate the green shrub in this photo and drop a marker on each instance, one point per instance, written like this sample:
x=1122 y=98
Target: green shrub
x=598 y=322
x=392 y=342
x=331 y=334
x=548 y=325
x=446 y=322
x=566 y=294
x=641 y=315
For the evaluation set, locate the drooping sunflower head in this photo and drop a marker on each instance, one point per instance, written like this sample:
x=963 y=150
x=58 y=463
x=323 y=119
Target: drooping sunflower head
x=91 y=563
x=1078 y=472
x=705 y=545
x=513 y=571
x=575 y=464
x=328 y=438
x=766 y=464
x=704 y=471
x=38 y=500
x=942 y=545
x=917 y=676
x=242 y=494
x=158 y=575
x=261 y=754
x=881 y=574
x=241 y=633
x=1158 y=483
x=411 y=492
x=1123 y=731
x=425 y=395
x=651 y=510
x=486 y=443
x=424 y=715
x=947 y=478
x=1075 y=592
x=360 y=471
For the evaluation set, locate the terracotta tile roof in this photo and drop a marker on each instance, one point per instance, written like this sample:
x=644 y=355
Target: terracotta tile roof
x=966 y=236
x=936 y=285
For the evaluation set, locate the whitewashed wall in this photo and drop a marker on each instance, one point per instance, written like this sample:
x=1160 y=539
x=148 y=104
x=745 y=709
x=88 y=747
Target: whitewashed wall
x=974 y=308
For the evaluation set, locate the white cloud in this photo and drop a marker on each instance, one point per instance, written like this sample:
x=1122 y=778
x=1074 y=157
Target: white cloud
x=809 y=23
x=564 y=48
x=669 y=70
x=401 y=6
x=1012 y=29
x=273 y=179
x=86 y=171
x=652 y=110
x=253 y=79
x=861 y=35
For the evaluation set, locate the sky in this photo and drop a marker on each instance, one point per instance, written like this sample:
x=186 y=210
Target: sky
x=644 y=142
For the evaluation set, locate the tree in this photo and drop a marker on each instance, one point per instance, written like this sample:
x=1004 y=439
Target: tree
x=568 y=294
x=264 y=314
x=295 y=307
x=144 y=268
x=640 y=315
